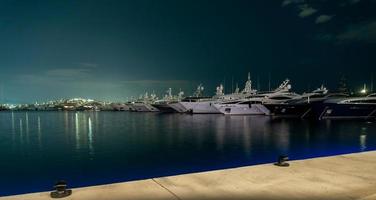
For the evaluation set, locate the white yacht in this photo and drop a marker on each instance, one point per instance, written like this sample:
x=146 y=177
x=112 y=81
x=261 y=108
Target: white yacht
x=165 y=104
x=253 y=104
x=143 y=104
x=197 y=104
x=205 y=105
x=242 y=107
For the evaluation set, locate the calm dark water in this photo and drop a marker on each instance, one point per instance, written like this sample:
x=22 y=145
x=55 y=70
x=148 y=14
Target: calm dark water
x=89 y=148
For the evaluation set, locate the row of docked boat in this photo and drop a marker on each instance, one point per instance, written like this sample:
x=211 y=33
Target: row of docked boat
x=281 y=102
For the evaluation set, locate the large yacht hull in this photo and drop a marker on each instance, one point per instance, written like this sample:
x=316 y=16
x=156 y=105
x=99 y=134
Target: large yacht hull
x=142 y=107
x=121 y=107
x=242 y=109
x=290 y=110
x=165 y=108
x=202 y=107
x=178 y=107
x=345 y=111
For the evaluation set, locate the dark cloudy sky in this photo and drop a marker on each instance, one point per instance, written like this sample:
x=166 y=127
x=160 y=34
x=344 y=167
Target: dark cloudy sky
x=113 y=49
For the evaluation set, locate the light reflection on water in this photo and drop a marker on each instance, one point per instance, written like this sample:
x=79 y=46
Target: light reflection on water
x=363 y=142
x=27 y=126
x=77 y=131
x=89 y=148
x=39 y=132
x=90 y=137
x=363 y=139
x=21 y=131
x=13 y=128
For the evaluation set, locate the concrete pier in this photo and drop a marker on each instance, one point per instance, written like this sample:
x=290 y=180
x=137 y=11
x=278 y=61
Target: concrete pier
x=350 y=176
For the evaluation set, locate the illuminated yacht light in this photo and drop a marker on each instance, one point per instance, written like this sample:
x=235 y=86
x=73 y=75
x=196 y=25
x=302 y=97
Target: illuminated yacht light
x=364 y=90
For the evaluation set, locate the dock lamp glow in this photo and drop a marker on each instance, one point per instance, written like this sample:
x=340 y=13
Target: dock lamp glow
x=60 y=190
x=364 y=90
x=282 y=161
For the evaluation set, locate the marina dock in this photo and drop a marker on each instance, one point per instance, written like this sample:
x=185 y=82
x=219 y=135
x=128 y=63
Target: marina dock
x=350 y=176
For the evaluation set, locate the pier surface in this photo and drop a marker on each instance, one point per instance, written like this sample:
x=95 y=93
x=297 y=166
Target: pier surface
x=350 y=176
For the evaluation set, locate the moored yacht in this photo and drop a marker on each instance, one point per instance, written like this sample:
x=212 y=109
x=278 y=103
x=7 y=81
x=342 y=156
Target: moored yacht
x=279 y=95
x=207 y=104
x=143 y=104
x=253 y=104
x=165 y=104
x=349 y=108
x=197 y=104
x=299 y=107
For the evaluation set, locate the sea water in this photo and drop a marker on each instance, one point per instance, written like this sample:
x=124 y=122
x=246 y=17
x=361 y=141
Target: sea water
x=90 y=148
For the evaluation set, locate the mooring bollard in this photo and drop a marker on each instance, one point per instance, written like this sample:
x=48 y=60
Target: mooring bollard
x=60 y=190
x=281 y=162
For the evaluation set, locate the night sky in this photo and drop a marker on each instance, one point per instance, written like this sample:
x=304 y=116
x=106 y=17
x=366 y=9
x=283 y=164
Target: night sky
x=110 y=50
